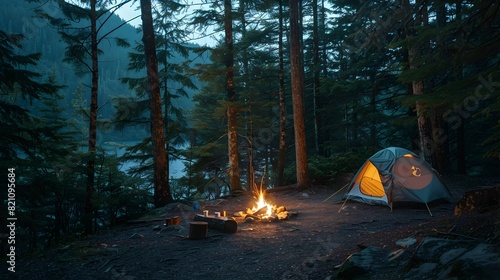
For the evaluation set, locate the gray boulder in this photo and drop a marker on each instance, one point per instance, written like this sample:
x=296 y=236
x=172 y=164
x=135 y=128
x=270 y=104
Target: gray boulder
x=362 y=263
x=461 y=259
x=435 y=258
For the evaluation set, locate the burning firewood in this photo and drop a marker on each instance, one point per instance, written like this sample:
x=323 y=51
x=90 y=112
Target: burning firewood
x=259 y=212
x=264 y=211
x=280 y=209
x=283 y=215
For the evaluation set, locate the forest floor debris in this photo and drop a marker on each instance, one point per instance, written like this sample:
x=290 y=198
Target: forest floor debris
x=309 y=246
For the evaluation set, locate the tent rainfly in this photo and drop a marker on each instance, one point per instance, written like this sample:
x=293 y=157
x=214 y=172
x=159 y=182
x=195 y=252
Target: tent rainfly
x=396 y=174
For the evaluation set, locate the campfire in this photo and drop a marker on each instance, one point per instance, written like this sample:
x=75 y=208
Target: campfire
x=265 y=211
x=262 y=208
x=261 y=211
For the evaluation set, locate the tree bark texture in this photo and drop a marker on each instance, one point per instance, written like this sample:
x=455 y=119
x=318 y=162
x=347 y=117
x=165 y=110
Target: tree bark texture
x=418 y=86
x=248 y=104
x=89 y=191
x=232 y=126
x=316 y=67
x=298 y=98
x=460 y=151
x=162 y=193
x=439 y=128
x=282 y=116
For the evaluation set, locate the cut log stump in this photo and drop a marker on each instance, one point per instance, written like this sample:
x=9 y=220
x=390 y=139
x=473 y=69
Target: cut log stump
x=198 y=230
x=172 y=221
x=220 y=223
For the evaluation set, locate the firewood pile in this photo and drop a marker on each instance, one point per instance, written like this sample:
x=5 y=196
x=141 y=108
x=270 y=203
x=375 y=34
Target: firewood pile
x=265 y=214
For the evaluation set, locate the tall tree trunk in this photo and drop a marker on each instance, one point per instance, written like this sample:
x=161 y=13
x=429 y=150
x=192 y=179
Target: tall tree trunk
x=298 y=98
x=249 y=120
x=423 y=126
x=439 y=127
x=373 y=108
x=439 y=139
x=33 y=232
x=461 y=166
x=166 y=105
x=324 y=135
x=324 y=54
x=282 y=137
x=316 y=68
x=460 y=153
x=58 y=218
x=162 y=193
x=89 y=207
x=232 y=127
x=425 y=144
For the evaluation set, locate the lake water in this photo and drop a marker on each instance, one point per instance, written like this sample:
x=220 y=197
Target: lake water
x=175 y=166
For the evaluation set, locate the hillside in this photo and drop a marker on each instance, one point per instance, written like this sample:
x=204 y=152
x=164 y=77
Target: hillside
x=113 y=60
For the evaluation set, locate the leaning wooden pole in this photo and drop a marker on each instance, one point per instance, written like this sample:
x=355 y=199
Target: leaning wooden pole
x=428 y=209
x=336 y=192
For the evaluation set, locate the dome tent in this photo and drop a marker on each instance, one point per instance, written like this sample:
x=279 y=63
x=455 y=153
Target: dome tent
x=396 y=174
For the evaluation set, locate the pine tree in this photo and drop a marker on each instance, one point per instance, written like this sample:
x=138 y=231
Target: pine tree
x=17 y=83
x=282 y=105
x=232 y=131
x=298 y=96
x=175 y=86
x=83 y=45
x=37 y=142
x=455 y=82
x=55 y=170
x=256 y=69
x=162 y=195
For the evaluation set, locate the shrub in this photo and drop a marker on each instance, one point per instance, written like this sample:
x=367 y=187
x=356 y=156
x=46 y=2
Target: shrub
x=323 y=170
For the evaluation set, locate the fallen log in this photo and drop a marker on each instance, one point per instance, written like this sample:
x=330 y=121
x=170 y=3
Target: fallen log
x=220 y=223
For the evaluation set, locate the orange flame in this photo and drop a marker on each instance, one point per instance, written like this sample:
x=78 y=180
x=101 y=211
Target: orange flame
x=261 y=202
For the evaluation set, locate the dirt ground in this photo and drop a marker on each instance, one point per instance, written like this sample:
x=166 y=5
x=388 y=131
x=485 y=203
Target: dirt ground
x=308 y=246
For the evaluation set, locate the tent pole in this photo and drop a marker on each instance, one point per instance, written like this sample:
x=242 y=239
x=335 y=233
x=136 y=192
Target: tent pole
x=336 y=192
x=345 y=201
x=428 y=209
